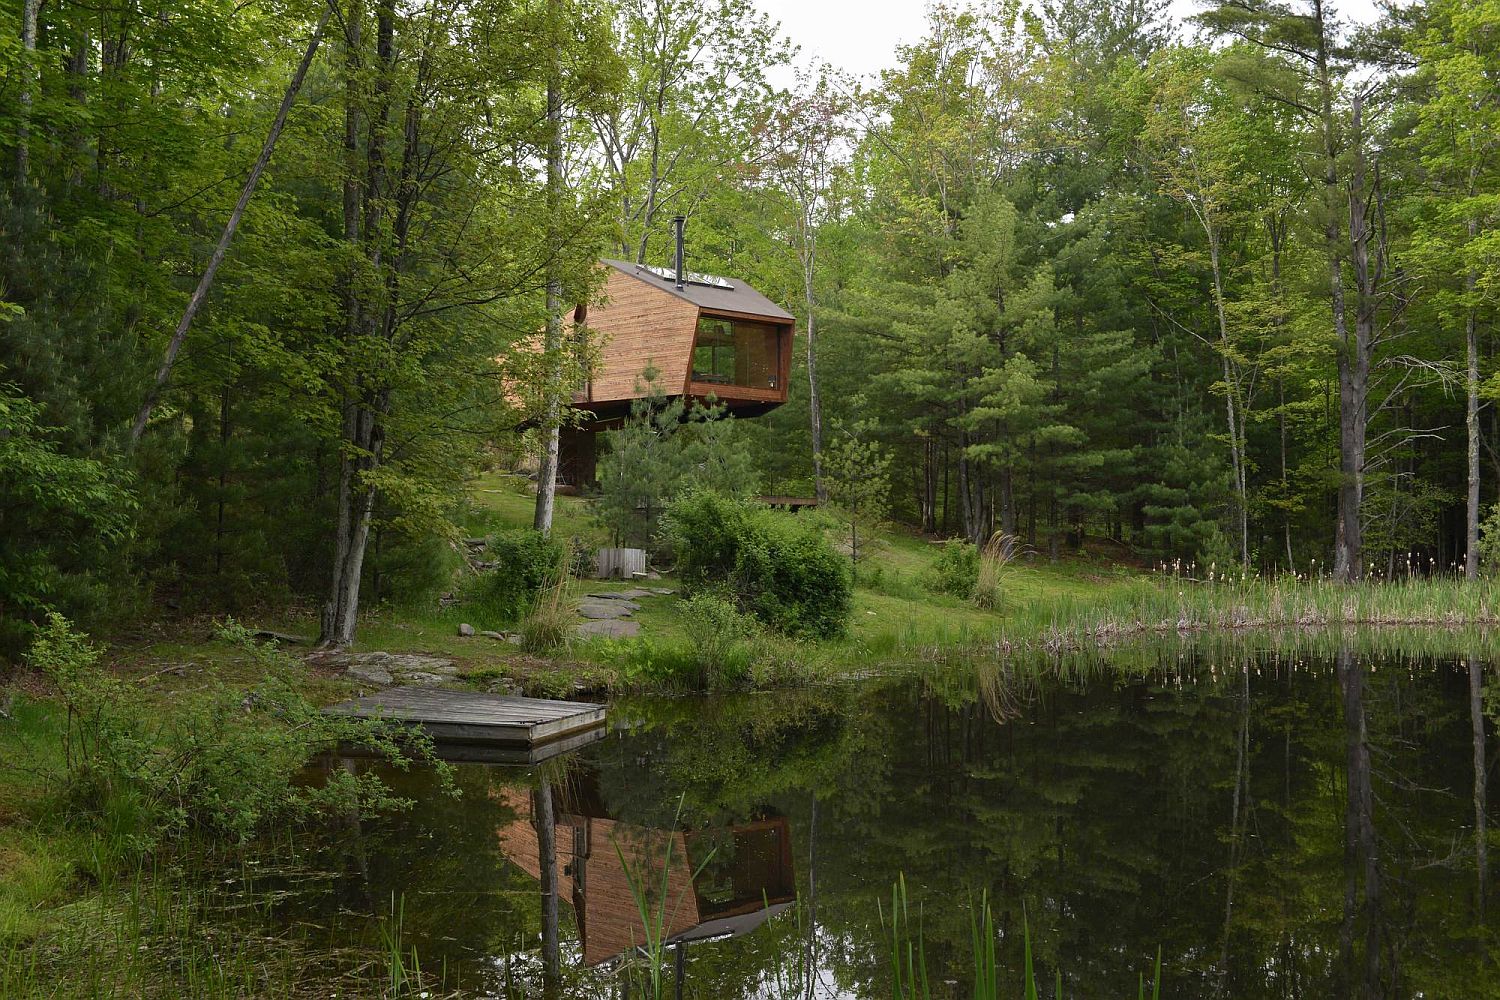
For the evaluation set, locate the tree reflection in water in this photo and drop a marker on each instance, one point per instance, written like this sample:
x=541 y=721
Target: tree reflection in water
x=1281 y=827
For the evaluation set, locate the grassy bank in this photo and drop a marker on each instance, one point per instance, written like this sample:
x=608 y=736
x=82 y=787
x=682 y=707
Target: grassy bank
x=1083 y=602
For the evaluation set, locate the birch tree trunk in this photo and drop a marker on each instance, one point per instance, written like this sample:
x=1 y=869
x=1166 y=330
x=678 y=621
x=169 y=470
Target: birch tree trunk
x=552 y=346
x=205 y=282
x=814 y=403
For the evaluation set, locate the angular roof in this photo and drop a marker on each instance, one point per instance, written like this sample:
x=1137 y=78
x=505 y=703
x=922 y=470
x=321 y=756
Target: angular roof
x=731 y=296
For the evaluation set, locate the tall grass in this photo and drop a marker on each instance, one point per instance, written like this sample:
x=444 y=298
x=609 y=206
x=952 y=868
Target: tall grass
x=908 y=955
x=552 y=620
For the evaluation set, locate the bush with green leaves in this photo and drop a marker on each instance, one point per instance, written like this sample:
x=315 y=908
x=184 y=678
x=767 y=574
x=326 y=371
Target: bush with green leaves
x=1489 y=542
x=223 y=762
x=525 y=562
x=778 y=566
x=956 y=569
x=719 y=632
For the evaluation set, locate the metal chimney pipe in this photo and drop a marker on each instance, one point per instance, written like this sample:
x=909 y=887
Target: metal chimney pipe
x=678 y=222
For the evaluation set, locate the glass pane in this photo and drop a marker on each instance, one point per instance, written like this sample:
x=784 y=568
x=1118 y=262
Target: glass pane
x=737 y=352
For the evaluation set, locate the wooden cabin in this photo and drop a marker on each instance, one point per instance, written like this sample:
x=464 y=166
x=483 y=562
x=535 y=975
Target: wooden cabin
x=704 y=335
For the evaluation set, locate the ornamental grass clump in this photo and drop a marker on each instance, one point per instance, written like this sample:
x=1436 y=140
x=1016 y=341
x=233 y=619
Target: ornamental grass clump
x=552 y=619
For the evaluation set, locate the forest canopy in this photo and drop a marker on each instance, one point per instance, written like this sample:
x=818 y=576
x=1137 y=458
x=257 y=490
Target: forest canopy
x=1219 y=291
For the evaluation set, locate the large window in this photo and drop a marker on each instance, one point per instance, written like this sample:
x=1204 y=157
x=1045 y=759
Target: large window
x=737 y=352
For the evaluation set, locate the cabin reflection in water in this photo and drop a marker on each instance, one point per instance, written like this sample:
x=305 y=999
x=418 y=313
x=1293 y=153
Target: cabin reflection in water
x=743 y=872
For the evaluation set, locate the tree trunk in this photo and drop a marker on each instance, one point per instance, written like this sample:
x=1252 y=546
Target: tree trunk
x=552 y=346
x=164 y=373
x=29 y=76
x=929 y=484
x=814 y=403
x=1471 y=422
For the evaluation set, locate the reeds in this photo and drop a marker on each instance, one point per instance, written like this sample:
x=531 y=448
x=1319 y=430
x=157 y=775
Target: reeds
x=650 y=891
x=908 y=955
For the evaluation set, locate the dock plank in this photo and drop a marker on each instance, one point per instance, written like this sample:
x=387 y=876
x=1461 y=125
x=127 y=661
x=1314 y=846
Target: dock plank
x=474 y=717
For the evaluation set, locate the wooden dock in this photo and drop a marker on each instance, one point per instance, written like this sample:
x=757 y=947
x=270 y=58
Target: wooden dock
x=469 y=717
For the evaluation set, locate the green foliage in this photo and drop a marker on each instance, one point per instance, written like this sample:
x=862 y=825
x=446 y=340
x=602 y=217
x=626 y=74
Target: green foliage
x=956 y=569
x=779 y=567
x=662 y=449
x=525 y=562
x=224 y=765
x=857 y=469
x=717 y=631
x=1489 y=541
x=63 y=519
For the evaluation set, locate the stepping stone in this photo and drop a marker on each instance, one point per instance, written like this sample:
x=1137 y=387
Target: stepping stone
x=609 y=629
x=603 y=610
x=623 y=595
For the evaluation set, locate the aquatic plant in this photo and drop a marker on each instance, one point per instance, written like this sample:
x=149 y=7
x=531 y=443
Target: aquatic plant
x=651 y=891
x=908 y=954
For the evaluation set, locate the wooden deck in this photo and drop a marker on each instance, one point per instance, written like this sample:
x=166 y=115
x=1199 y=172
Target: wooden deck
x=474 y=718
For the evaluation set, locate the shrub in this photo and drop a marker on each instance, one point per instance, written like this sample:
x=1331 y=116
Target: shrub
x=779 y=568
x=718 y=630
x=956 y=570
x=224 y=763
x=525 y=563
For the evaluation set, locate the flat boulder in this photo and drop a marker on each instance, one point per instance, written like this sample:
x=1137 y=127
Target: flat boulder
x=605 y=610
x=609 y=629
x=384 y=669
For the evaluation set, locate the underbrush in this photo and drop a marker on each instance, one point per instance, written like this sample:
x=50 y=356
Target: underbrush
x=108 y=777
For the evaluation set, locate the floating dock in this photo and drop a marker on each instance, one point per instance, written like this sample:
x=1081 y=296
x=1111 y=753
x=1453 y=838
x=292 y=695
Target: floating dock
x=498 y=722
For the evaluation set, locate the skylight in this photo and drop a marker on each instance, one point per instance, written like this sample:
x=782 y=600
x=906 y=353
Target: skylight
x=693 y=277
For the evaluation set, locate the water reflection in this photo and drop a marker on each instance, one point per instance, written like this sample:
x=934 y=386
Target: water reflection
x=1279 y=826
x=719 y=883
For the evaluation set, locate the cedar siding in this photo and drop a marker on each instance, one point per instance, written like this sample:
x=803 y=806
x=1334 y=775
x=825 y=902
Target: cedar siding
x=647 y=322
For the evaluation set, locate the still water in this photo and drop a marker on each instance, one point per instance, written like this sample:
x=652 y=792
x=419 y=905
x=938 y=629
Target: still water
x=1277 y=826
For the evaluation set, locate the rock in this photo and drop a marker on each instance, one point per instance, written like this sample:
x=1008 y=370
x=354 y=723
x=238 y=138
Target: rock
x=663 y=591
x=604 y=610
x=609 y=629
x=466 y=630
x=381 y=667
x=514 y=639
x=499 y=636
x=632 y=594
x=422 y=679
x=370 y=675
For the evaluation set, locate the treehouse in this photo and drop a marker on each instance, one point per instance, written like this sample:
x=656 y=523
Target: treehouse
x=702 y=335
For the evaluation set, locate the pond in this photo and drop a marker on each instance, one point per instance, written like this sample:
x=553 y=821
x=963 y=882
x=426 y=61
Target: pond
x=1275 y=825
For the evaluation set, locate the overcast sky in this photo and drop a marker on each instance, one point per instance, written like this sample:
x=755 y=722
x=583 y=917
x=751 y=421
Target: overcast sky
x=860 y=36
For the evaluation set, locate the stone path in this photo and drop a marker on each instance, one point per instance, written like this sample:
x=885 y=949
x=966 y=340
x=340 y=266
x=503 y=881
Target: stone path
x=604 y=611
